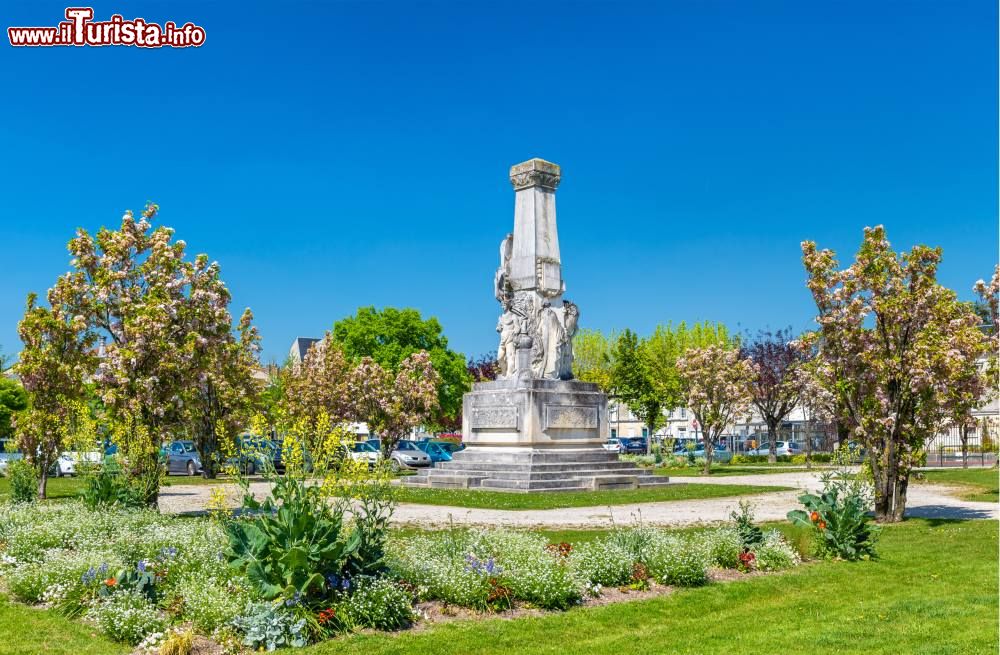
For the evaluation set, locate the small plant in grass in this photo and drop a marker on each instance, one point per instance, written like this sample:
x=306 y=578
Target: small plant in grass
x=839 y=517
x=268 y=625
x=750 y=535
x=127 y=616
x=374 y=603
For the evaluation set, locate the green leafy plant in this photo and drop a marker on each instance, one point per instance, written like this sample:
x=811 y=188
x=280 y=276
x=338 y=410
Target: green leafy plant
x=292 y=543
x=23 y=481
x=107 y=486
x=750 y=535
x=839 y=516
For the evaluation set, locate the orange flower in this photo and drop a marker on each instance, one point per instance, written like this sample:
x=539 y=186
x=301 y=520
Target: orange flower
x=814 y=517
x=822 y=525
x=111 y=582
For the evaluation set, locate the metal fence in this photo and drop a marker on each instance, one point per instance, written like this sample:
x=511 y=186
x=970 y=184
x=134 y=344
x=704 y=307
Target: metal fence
x=947 y=449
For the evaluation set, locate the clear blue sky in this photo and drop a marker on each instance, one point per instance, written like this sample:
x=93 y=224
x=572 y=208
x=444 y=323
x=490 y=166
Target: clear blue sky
x=331 y=155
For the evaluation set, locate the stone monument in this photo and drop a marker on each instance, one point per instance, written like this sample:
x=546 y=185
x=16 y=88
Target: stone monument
x=534 y=427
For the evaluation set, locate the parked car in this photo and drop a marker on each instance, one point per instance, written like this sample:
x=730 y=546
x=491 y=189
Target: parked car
x=632 y=445
x=362 y=451
x=720 y=453
x=780 y=448
x=612 y=445
x=436 y=450
x=253 y=454
x=182 y=457
x=68 y=461
x=407 y=455
x=448 y=445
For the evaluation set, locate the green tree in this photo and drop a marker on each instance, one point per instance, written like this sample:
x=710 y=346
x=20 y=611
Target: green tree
x=13 y=399
x=391 y=335
x=632 y=383
x=593 y=357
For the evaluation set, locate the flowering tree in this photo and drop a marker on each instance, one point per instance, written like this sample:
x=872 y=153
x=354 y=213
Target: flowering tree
x=394 y=404
x=223 y=400
x=716 y=381
x=776 y=387
x=317 y=389
x=168 y=323
x=896 y=350
x=54 y=362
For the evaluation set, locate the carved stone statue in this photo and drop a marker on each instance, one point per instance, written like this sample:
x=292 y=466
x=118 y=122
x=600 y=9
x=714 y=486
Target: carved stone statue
x=571 y=316
x=549 y=335
x=509 y=327
x=501 y=280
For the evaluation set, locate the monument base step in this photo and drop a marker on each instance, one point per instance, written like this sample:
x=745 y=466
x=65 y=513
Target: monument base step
x=528 y=471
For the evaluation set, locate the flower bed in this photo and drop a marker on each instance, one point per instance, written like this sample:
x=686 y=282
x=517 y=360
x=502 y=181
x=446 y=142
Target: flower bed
x=143 y=578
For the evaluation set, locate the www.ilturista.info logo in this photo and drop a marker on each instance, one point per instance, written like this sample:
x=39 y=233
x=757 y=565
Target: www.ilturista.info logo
x=79 y=29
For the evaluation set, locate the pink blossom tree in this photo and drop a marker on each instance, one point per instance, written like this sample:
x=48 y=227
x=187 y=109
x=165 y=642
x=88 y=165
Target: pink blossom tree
x=716 y=382
x=394 y=405
x=895 y=349
x=168 y=327
x=776 y=386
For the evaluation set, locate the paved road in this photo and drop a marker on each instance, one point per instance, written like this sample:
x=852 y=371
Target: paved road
x=925 y=500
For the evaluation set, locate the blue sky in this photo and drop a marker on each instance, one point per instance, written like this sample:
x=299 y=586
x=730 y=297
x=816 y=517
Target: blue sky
x=331 y=155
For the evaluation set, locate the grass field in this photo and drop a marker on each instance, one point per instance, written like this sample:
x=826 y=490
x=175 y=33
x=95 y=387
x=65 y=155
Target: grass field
x=933 y=592
x=980 y=484
x=473 y=498
x=70 y=487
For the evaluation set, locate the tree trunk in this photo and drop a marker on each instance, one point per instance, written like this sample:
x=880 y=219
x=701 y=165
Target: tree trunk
x=649 y=437
x=43 y=481
x=772 y=439
x=890 y=486
x=708 y=452
x=964 y=436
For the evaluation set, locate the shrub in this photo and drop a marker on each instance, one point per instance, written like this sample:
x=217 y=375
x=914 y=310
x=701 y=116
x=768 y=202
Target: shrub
x=23 y=481
x=602 y=562
x=268 y=626
x=211 y=603
x=107 y=486
x=773 y=553
x=839 y=516
x=742 y=458
x=127 y=617
x=376 y=603
x=675 y=561
x=722 y=546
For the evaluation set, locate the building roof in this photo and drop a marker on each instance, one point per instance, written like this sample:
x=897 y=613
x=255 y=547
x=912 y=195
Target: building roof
x=300 y=347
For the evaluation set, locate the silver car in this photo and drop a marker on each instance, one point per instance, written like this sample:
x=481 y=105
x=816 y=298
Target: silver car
x=407 y=456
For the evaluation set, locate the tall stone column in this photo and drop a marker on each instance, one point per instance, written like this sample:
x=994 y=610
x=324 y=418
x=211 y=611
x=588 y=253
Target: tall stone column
x=535 y=263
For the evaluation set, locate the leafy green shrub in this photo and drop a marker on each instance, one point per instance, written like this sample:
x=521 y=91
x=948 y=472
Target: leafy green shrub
x=742 y=458
x=773 y=553
x=107 y=486
x=23 y=481
x=268 y=626
x=839 y=516
x=294 y=540
x=376 y=603
x=127 y=617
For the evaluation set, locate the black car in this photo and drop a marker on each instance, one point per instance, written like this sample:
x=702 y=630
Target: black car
x=632 y=445
x=253 y=455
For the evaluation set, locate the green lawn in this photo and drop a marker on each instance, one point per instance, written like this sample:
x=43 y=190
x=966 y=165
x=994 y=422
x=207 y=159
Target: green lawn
x=981 y=484
x=70 y=487
x=473 y=498
x=933 y=592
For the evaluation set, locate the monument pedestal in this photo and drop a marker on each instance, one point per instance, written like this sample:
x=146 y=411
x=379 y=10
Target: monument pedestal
x=535 y=435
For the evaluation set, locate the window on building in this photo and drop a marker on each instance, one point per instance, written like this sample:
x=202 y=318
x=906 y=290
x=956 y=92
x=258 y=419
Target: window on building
x=645 y=433
x=614 y=433
x=684 y=412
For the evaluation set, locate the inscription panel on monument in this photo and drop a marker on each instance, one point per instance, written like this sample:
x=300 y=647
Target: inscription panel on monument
x=570 y=417
x=498 y=416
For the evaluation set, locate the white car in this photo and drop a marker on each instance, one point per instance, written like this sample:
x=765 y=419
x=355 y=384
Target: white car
x=612 y=445
x=68 y=461
x=362 y=451
x=780 y=448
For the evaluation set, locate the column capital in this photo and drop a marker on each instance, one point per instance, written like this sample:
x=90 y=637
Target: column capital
x=535 y=172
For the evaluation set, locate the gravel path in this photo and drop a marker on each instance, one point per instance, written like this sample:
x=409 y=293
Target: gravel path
x=925 y=500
